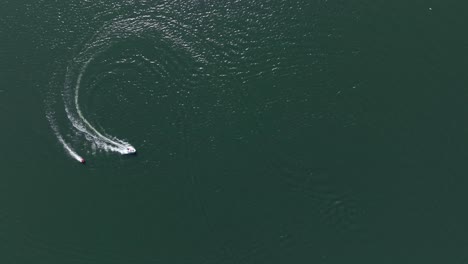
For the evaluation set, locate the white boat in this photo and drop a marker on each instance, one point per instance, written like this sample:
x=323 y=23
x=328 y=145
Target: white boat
x=129 y=150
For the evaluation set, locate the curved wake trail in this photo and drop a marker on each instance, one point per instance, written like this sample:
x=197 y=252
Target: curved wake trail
x=118 y=146
x=69 y=150
x=76 y=117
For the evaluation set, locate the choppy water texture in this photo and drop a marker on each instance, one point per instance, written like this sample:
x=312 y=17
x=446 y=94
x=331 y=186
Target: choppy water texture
x=266 y=132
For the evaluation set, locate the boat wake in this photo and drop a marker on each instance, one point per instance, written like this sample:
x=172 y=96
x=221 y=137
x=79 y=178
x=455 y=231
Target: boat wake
x=66 y=146
x=79 y=122
x=74 y=114
x=153 y=44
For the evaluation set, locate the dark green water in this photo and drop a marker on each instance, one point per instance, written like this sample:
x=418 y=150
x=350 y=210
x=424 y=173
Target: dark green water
x=267 y=132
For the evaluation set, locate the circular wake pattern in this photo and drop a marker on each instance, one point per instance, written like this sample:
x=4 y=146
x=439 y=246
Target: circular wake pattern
x=136 y=47
x=205 y=60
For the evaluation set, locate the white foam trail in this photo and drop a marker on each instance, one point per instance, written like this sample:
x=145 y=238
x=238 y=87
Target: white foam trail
x=84 y=126
x=69 y=150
